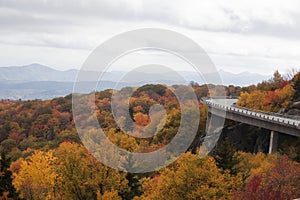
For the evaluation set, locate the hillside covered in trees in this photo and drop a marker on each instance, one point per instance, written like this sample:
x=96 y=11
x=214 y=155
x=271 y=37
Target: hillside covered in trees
x=42 y=156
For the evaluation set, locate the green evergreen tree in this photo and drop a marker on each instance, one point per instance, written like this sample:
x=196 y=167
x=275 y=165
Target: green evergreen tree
x=225 y=156
x=296 y=85
x=6 y=179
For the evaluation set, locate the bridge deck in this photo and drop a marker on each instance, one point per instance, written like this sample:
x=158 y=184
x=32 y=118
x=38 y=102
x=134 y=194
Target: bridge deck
x=272 y=121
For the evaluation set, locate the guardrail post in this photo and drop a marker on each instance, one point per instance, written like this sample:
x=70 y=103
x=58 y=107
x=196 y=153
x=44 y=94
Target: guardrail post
x=273 y=142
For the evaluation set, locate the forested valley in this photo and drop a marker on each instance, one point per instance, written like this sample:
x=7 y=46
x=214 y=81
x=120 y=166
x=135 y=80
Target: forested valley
x=42 y=156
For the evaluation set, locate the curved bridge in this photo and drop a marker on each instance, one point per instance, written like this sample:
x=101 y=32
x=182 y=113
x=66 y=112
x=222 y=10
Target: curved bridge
x=272 y=121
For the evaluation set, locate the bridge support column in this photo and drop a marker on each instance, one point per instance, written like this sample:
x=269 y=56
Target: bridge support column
x=214 y=123
x=214 y=127
x=273 y=142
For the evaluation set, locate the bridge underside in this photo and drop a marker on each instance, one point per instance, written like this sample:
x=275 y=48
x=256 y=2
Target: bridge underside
x=214 y=126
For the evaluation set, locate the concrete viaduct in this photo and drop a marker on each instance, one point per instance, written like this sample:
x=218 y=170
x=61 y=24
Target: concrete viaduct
x=219 y=109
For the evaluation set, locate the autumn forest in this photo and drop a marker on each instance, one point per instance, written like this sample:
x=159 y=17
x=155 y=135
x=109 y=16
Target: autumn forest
x=42 y=156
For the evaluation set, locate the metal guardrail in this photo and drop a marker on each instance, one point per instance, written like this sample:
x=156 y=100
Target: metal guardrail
x=275 y=117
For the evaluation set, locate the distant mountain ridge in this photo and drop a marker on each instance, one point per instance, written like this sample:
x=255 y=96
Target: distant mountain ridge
x=35 y=72
x=43 y=82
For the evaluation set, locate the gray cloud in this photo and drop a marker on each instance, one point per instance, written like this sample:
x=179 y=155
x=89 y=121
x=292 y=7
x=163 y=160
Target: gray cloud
x=82 y=24
x=55 y=15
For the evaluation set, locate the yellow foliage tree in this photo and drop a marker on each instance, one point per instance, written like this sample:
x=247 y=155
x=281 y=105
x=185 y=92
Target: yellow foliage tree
x=36 y=178
x=254 y=164
x=244 y=96
x=81 y=175
x=255 y=100
x=285 y=95
x=190 y=178
x=112 y=195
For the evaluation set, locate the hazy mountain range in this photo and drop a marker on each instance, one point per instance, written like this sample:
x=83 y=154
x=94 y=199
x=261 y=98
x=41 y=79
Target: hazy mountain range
x=42 y=82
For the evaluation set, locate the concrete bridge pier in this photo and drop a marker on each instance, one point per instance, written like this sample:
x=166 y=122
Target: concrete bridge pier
x=214 y=127
x=273 y=142
x=214 y=122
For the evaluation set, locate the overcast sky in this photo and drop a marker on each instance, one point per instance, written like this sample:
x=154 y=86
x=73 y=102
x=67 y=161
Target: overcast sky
x=254 y=36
